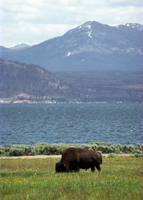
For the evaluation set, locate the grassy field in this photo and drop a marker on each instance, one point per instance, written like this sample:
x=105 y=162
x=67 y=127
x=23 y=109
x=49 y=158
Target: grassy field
x=120 y=178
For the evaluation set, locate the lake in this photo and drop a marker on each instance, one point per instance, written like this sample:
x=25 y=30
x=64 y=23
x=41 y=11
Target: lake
x=71 y=123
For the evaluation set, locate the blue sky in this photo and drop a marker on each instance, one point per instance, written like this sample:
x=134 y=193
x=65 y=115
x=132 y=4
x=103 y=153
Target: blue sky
x=34 y=21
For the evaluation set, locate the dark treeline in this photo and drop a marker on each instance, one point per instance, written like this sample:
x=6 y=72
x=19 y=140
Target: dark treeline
x=107 y=86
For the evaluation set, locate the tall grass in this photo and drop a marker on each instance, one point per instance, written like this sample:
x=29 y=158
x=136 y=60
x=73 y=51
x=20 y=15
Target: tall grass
x=120 y=178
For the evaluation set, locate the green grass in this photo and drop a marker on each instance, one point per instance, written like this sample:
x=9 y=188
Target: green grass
x=120 y=178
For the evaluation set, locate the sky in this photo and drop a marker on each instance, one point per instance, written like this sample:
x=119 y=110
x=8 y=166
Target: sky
x=34 y=21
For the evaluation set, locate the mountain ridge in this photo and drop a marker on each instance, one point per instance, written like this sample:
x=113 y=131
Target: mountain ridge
x=90 y=46
x=20 y=46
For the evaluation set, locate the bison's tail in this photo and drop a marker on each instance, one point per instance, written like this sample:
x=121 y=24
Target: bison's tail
x=100 y=158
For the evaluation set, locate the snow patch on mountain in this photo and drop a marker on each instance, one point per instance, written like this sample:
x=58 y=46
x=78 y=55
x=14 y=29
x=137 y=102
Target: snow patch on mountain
x=135 y=26
x=90 y=31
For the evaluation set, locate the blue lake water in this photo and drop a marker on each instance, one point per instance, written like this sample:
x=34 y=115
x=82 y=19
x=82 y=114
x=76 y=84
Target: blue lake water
x=71 y=123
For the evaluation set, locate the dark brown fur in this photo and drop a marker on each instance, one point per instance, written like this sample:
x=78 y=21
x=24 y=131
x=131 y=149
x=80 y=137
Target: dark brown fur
x=76 y=158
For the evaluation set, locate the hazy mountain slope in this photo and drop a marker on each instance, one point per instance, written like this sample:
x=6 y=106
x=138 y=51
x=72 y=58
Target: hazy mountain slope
x=90 y=46
x=19 y=80
x=107 y=86
x=20 y=46
x=27 y=82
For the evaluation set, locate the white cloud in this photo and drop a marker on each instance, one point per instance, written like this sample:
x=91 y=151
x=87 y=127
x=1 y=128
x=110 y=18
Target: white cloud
x=37 y=33
x=33 y=21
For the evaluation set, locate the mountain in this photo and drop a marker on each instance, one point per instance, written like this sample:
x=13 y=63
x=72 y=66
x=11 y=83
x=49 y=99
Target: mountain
x=27 y=81
x=20 y=46
x=90 y=46
x=3 y=49
x=135 y=26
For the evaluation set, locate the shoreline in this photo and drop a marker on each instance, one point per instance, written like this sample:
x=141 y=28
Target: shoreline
x=27 y=101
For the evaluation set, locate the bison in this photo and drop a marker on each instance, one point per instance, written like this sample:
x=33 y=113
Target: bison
x=76 y=158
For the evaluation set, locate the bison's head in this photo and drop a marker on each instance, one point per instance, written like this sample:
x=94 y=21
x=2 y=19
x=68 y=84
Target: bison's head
x=61 y=167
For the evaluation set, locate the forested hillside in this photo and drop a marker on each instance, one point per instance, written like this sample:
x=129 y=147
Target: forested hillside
x=107 y=86
x=20 y=81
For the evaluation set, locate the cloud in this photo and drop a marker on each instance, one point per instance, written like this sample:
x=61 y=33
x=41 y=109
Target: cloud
x=32 y=21
x=37 y=33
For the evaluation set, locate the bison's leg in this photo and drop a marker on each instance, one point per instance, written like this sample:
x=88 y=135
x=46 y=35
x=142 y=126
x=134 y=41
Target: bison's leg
x=98 y=167
x=77 y=169
x=92 y=169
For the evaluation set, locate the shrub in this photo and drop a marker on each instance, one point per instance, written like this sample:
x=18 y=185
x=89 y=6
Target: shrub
x=41 y=143
x=42 y=148
x=101 y=143
x=100 y=148
x=109 y=144
x=91 y=143
x=138 y=155
x=2 y=150
x=93 y=147
x=125 y=149
x=117 y=150
x=131 y=148
x=138 y=147
x=85 y=146
x=54 y=149
x=62 y=147
x=138 y=151
x=7 y=150
x=108 y=149
x=15 y=151
x=30 y=150
x=112 y=155
x=121 y=147
x=114 y=146
x=33 y=151
x=72 y=145
x=132 y=156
